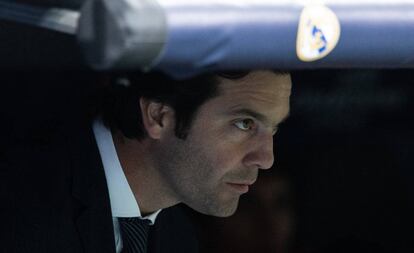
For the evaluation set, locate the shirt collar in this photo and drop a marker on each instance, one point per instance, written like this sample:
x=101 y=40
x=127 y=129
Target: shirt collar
x=123 y=202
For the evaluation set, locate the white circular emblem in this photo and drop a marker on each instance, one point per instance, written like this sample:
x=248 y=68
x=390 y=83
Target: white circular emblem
x=318 y=33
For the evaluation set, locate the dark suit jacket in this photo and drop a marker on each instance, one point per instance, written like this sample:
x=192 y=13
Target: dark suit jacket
x=54 y=197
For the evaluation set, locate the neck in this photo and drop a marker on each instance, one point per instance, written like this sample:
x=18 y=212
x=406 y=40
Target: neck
x=143 y=177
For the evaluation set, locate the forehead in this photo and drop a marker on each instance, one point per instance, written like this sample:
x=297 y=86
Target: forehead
x=262 y=91
x=257 y=85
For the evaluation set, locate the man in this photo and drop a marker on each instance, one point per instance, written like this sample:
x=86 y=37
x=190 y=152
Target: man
x=161 y=142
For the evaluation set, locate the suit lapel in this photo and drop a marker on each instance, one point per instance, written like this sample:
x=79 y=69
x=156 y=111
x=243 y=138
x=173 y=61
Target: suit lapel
x=94 y=221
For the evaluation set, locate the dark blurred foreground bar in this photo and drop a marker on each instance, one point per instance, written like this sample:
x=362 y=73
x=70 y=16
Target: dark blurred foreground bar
x=184 y=38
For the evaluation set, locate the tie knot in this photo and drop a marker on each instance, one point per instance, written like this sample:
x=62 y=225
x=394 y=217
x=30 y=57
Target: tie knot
x=134 y=220
x=134 y=232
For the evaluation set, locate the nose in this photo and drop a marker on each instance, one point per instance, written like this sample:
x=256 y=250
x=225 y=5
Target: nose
x=260 y=156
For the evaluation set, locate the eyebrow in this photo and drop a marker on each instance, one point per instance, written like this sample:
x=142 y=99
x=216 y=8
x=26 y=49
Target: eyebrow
x=257 y=115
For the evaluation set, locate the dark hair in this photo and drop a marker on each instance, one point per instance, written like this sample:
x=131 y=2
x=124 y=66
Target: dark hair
x=120 y=102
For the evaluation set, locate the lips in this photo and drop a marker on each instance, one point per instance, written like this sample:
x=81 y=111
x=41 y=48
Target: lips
x=241 y=188
x=241 y=185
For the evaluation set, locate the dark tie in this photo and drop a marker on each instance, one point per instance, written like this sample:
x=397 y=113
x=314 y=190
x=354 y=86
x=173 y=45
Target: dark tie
x=134 y=232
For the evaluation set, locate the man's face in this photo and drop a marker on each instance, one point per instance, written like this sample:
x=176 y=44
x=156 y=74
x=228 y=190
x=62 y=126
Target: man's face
x=231 y=138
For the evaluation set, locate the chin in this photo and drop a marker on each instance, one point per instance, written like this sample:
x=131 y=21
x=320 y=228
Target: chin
x=220 y=210
x=225 y=214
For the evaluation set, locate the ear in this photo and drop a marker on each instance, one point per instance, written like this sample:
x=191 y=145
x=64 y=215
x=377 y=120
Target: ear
x=157 y=118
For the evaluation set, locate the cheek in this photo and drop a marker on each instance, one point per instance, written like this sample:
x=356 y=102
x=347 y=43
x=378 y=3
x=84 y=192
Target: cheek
x=223 y=151
x=226 y=157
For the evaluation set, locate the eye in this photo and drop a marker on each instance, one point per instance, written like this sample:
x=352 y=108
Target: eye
x=245 y=124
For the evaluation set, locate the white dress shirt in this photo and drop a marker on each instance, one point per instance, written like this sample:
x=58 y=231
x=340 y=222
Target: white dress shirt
x=123 y=202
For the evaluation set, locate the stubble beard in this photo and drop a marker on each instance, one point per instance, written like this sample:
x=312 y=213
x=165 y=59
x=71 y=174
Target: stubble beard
x=189 y=173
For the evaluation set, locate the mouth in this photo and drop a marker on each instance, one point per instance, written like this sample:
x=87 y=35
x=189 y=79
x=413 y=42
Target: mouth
x=240 y=187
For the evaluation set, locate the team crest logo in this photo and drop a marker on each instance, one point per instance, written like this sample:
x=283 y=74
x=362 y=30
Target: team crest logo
x=318 y=33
